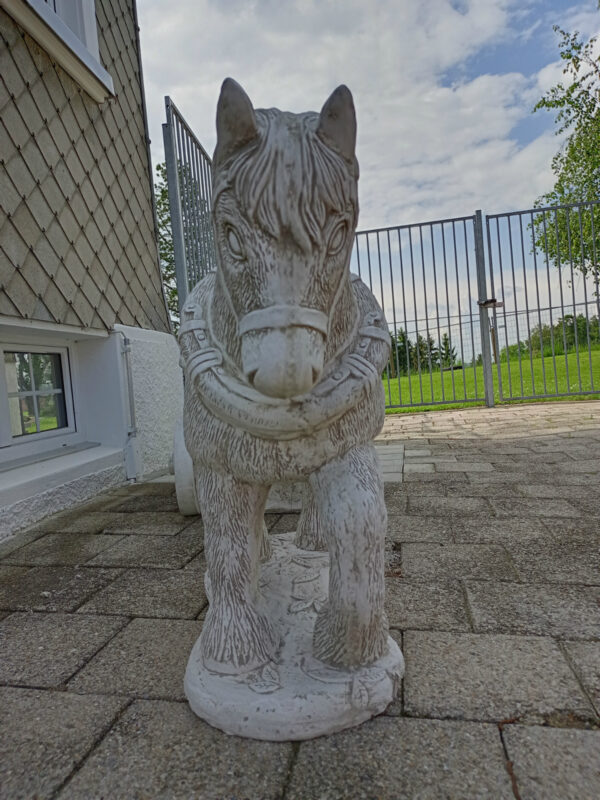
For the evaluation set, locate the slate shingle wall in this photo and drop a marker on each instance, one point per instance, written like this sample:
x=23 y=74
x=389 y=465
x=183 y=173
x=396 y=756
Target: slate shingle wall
x=77 y=241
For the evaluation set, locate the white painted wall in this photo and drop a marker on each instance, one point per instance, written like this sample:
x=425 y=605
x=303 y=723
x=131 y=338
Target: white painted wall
x=105 y=416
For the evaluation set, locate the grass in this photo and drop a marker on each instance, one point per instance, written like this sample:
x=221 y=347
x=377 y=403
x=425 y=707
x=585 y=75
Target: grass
x=524 y=382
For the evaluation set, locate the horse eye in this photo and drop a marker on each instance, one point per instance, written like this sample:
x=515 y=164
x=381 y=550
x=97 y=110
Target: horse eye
x=235 y=245
x=337 y=239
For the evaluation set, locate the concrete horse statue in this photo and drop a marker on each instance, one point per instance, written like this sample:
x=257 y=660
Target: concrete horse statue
x=283 y=350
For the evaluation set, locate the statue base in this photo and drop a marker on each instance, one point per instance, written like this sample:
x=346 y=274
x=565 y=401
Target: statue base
x=295 y=696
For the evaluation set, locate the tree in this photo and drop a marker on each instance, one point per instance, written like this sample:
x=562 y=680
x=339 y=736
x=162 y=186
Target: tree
x=197 y=231
x=447 y=352
x=165 y=242
x=573 y=235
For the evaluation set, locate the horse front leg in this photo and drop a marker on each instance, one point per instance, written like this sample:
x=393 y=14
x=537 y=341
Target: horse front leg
x=351 y=629
x=236 y=636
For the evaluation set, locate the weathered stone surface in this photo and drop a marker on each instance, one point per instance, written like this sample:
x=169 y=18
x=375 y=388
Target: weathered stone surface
x=82 y=522
x=448 y=506
x=557 y=560
x=161 y=750
x=151 y=593
x=45 y=735
x=443 y=561
x=425 y=606
x=554 y=764
x=165 y=552
x=286 y=523
x=533 y=507
x=497 y=531
x=33 y=645
x=51 y=588
x=570 y=612
x=585 y=657
x=58 y=549
x=402 y=759
x=149 y=523
x=147 y=503
x=146 y=659
x=404 y=528
x=485 y=677
x=8 y=546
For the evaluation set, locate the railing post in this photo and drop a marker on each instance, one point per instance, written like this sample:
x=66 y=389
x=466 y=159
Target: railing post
x=175 y=208
x=486 y=353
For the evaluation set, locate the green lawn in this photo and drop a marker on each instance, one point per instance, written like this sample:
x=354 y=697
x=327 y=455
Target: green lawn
x=437 y=388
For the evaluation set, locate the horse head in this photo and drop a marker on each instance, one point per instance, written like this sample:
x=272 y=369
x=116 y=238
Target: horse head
x=285 y=210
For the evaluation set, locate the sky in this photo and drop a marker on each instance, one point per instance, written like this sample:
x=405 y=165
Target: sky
x=443 y=89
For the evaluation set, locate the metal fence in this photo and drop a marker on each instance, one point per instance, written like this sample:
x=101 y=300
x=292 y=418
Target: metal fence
x=189 y=180
x=480 y=309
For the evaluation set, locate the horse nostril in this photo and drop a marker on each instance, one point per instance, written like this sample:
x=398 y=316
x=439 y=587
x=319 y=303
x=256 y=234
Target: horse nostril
x=315 y=375
x=251 y=375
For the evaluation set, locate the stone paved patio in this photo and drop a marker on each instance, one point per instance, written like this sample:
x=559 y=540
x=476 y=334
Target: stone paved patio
x=493 y=592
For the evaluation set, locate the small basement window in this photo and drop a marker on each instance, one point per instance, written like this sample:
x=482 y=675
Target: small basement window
x=36 y=395
x=36 y=400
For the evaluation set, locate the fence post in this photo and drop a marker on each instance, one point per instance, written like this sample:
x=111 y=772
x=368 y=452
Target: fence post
x=484 y=323
x=175 y=208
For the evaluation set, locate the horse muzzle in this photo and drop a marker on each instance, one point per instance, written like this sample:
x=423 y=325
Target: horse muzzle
x=283 y=349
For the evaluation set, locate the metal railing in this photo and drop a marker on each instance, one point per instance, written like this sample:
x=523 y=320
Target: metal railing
x=506 y=310
x=543 y=262
x=189 y=178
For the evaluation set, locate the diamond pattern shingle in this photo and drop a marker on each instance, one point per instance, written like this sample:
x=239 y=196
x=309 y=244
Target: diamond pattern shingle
x=78 y=243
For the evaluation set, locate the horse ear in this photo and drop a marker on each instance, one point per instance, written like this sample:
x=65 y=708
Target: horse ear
x=337 y=123
x=236 y=122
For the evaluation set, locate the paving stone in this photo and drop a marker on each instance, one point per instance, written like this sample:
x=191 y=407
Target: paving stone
x=146 y=659
x=499 y=531
x=151 y=593
x=589 y=505
x=557 y=560
x=163 y=552
x=150 y=523
x=554 y=489
x=463 y=466
x=12 y=543
x=81 y=522
x=402 y=759
x=46 y=649
x=410 y=467
x=58 y=549
x=404 y=528
x=425 y=606
x=162 y=750
x=569 y=612
x=447 y=506
x=147 y=502
x=425 y=560
x=396 y=498
x=448 y=478
x=485 y=677
x=492 y=491
x=45 y=735
x=51 y=588
x=553 y=763
x=533 y=507
x=585 y=657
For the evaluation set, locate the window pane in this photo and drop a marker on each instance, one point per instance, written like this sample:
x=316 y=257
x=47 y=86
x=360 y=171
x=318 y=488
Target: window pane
x=47 y=373
x=18 y=376
x=51 y=408
x=22 y=416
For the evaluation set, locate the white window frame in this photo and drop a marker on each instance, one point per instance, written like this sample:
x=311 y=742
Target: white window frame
x=70 y=37
x=35 y=443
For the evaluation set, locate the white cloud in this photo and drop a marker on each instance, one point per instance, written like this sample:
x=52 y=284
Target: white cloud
x=425 y=149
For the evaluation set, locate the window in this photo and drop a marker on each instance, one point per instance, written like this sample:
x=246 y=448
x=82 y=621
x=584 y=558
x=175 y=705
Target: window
x=36 y=400
x=36 y=396
x=67 y=30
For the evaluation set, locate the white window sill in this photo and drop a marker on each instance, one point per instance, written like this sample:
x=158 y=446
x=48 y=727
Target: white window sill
x=62 y=45
x=28 y=480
